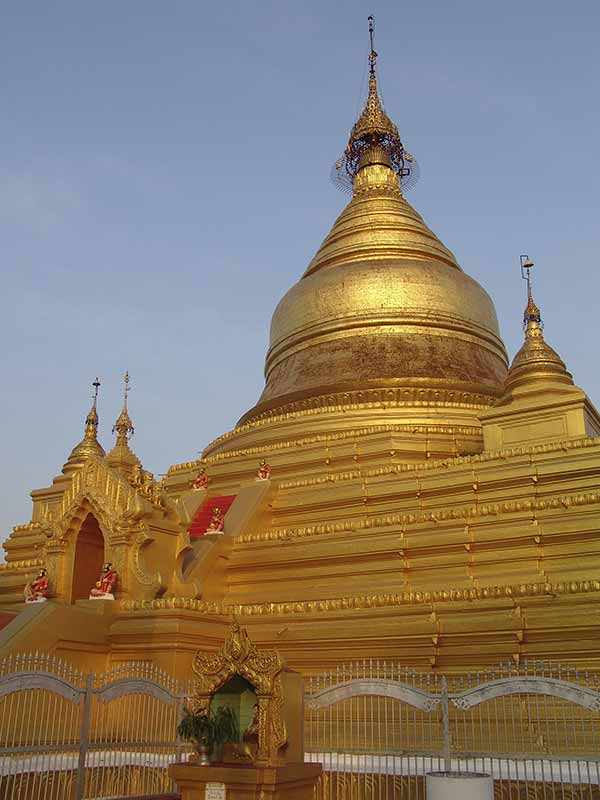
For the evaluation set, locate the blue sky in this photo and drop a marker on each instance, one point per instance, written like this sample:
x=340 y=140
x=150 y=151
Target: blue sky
x=164 y=180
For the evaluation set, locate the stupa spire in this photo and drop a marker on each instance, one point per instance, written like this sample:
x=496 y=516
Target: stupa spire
x=89 y=445
x=373 y=119
x=374 y=139
x=540 y=402
x=121 y=456
x=531 y=316
x=123 y=426
x=91 y=421
x=536 y=360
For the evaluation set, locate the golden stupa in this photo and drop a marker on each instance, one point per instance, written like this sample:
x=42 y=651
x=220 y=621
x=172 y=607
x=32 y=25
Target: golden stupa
x=396 y=491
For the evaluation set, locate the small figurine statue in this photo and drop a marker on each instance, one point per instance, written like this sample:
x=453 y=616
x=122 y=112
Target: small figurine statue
x=103 y=590
x=147 y=482
x=157 y=494
x=137 y=476
x=217 y=523
x=36 y=591
x=264 y=471
x=201 y=481
x=252 y=729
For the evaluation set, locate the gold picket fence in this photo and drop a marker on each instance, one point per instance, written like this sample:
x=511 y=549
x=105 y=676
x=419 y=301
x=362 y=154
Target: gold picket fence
x=376 y=727
x=68 y=736
x=379 y=728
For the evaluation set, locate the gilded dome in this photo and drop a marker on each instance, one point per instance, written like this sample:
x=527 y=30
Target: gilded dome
x=383 y=304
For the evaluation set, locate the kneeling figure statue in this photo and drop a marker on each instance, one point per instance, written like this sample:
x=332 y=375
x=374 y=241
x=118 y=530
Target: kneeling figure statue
x=103 y=590
x=217 y=523
x=36 y=591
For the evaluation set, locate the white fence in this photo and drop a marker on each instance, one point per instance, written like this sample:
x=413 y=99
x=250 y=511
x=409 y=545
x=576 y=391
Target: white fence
x=377 y=728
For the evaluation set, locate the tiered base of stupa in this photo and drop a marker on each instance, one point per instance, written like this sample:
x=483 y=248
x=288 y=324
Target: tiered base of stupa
x=351 y=551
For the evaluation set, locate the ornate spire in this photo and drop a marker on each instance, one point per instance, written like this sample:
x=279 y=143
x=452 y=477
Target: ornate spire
x=91 y=421
x=373 y=121
x=532 y=315
x=123 y=426
x=89 y=445
x=536 y=360
x=121 y=456
x=374 y=139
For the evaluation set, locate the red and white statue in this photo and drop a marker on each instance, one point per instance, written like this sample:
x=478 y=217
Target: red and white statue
x=217 y=523
x=36 y=591
x=103 y=590
x=201 y=481
x=264 y=471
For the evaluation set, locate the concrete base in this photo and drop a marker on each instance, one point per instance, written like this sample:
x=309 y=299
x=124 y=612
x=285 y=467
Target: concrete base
x=244 y=782
x=459 y=786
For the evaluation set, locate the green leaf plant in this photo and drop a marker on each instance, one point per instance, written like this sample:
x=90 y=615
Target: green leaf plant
x=212 y=729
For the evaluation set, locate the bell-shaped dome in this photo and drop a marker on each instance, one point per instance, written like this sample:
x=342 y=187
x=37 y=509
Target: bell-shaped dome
x=382 y=304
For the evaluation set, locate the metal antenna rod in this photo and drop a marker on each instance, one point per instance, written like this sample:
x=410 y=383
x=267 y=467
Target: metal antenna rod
x=372 y=54
x=126 y=392
x=526 y=265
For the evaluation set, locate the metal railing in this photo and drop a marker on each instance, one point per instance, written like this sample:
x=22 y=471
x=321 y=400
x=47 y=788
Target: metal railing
x=64 y=734
x=378 y=728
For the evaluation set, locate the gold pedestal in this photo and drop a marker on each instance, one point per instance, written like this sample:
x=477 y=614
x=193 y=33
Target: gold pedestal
x=287 y=782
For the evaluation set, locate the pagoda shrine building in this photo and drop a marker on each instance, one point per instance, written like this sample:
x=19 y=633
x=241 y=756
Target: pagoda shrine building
x=400 y=490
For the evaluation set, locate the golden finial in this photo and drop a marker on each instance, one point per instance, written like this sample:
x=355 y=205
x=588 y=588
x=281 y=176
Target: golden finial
x=91 y=421
x=123 y=427
x=374 y=139
x=373 y=121
x=532 y=319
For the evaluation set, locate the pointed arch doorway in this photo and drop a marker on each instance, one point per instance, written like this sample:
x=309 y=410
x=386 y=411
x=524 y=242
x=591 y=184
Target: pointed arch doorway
x=88 y=559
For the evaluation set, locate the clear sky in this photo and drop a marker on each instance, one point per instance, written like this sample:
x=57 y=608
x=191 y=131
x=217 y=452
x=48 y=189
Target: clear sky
x=164 y=179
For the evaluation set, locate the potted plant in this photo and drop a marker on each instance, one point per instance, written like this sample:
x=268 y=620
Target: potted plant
x=209 y=731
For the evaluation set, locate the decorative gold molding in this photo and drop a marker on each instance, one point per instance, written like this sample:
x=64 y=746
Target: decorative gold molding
x=425 y=430
x=431 y=464
x=366 y=601
x=465 y=513
x=26 y=564
x=412 y=397
x=389 y=397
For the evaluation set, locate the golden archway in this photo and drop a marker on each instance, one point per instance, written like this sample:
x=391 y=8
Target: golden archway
x=88 y=557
